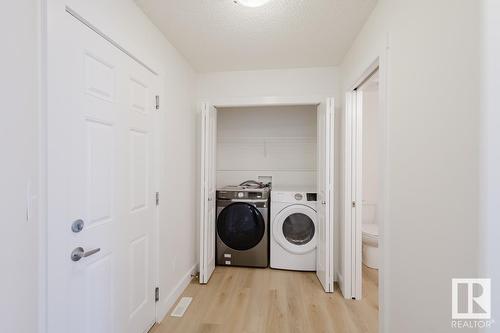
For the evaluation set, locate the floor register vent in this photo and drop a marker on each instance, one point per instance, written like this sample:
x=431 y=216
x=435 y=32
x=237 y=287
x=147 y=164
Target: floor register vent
x=181 y=307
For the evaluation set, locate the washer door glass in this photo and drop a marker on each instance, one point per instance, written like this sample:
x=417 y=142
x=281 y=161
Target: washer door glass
x=241 y=226
x=298 y=229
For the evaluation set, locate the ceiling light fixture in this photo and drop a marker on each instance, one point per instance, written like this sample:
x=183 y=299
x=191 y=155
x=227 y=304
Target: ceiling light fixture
x=251 y=3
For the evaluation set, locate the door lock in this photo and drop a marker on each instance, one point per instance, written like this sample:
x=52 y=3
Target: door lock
x=77 y=226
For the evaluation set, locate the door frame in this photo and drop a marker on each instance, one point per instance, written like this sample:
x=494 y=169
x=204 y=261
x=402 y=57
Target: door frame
x=352 y=249
x=267 y=101
x=52 y=11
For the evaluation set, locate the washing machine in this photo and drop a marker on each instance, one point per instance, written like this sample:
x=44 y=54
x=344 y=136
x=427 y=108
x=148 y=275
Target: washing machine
x=293 y=229
x=242 y=226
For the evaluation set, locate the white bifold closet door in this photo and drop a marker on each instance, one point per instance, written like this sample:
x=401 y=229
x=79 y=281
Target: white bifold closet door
x=208 y=191
x=101 y=185
x=350 y=271
x=325 y=217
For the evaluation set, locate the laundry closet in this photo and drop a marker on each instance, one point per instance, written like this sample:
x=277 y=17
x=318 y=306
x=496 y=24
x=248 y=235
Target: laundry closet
x=263 y=207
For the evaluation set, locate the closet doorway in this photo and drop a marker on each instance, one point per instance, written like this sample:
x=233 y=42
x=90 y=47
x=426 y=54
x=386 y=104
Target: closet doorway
x=324 y=183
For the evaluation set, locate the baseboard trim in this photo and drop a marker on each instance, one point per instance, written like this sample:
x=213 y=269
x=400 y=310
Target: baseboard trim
x=340 y=280
x=166 y=304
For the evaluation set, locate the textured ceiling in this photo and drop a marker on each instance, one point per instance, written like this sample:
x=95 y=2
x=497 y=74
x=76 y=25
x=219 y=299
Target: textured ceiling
x=219 y=35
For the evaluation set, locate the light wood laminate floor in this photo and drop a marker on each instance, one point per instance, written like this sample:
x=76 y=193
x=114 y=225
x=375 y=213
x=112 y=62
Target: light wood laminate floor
x=247 y=300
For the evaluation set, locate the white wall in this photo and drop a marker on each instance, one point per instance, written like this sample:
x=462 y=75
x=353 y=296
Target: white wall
x=322 y=82
x=490 y=150
x=431 y=153
x=19 y=93
x=371 y=154
x=125 y=23
x=275 y=141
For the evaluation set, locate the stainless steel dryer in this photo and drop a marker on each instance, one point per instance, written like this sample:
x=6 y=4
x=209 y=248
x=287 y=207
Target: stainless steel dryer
x=242 y=226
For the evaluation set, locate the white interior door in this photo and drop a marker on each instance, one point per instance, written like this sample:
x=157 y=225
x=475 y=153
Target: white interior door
x=357 y=221
x=101 y=186
x=208 y=191
x=324 y=260
x=351 y=224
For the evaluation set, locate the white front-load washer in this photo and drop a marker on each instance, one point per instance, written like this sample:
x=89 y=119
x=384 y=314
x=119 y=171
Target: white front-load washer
x=293 y=229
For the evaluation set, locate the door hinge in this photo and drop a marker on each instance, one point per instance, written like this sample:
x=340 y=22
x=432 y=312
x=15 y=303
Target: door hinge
x=157 y=198
x=354 y=204
x=157 y=98
x=157 y=294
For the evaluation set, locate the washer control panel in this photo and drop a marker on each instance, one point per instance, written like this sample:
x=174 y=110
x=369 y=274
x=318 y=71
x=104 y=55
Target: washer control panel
x=292 y=196
x=312 y=196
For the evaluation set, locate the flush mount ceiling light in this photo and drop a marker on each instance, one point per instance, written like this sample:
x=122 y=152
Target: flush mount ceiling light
x=251 y=3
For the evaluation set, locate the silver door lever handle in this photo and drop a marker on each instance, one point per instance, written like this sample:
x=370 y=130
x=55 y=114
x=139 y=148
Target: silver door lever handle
x=80 y=253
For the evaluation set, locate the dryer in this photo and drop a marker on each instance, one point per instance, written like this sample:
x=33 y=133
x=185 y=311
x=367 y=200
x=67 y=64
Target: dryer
x=293 y=229
x=242 y=226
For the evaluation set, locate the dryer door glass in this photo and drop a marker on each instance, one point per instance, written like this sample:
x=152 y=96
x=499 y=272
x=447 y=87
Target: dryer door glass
x=298 y=229
x=241 y=226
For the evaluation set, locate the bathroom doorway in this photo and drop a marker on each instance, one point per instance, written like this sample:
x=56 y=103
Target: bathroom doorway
x=369 y=101
x=362 y=194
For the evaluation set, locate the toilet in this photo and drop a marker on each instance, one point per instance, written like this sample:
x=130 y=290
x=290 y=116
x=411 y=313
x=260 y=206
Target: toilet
x=370 y=245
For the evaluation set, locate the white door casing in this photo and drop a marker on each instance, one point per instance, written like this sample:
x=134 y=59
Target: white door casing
x=101 y=170
x=208 y=191
x=325 y=208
